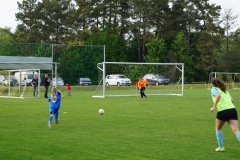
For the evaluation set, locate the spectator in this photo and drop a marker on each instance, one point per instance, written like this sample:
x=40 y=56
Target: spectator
x=46 y=85
x=35 y=84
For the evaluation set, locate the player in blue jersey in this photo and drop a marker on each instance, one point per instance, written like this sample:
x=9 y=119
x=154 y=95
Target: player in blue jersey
x=226 y=111
x=55 y=101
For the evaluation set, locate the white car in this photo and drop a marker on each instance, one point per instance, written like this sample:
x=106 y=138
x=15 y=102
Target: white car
x=60 y=81
x=2 y=79
x=117 y=80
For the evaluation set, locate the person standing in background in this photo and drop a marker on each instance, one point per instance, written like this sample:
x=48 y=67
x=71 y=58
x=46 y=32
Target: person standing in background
x=68 y=88
x=35 y=84
x=46 y=85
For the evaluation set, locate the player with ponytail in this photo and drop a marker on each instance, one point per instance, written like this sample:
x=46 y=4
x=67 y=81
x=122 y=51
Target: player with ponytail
x=55 y=101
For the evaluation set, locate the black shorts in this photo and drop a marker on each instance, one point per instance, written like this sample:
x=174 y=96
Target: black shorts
x=228 y=114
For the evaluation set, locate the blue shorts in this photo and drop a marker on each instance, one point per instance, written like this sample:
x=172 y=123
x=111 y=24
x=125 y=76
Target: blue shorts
x=53 y=110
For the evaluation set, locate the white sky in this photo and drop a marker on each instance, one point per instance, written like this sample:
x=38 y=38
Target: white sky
x=8 y=8
x=229 y=4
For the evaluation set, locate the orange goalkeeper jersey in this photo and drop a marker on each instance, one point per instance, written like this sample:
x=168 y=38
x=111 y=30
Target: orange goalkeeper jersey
x=142 y=83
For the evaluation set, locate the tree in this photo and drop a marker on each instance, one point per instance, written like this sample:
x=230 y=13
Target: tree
x=54 y=20
x=27 y=30
x=140 y=26
x=234 y=51
x=157 y=50
x=79 y=61
x=182 y=54
x=115 y=45
x=229 y=21
x=208 y=46
x=6 y=35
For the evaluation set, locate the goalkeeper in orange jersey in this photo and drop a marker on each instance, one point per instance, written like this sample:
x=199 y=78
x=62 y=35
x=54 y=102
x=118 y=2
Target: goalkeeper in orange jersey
x=141 y=85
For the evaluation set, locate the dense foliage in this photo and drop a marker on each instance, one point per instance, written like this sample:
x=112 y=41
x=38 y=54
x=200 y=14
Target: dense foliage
x=167 y=31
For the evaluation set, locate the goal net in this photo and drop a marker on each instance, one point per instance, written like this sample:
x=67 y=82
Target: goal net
x=17 y=83
x=120 y=78
x=231 y=79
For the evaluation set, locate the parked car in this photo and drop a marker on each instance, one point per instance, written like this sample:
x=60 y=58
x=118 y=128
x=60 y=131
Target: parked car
x=117 y=79
x=85 y=81
x=13 y=81
x=2 y=79
x=26 y=77
x=156 y=79
x=59 y=81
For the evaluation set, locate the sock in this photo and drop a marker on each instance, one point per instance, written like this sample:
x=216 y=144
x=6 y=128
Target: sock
x=56 y=116
x=238 y=136
x=219 y=135
x=50 y=118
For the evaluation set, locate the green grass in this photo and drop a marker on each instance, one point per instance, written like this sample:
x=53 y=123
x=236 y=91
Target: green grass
x=161 y=128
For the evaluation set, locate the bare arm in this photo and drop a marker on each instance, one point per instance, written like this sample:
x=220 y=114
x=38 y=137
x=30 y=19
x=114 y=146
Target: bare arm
x=216 y=102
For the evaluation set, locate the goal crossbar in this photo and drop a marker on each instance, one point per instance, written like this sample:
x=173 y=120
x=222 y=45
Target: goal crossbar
x=231 y=79
x=6 y=91
x=102 y=79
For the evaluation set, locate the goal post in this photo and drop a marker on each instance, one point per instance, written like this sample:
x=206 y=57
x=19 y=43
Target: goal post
x=174 y=72
x=231 y=79
x=17 y=83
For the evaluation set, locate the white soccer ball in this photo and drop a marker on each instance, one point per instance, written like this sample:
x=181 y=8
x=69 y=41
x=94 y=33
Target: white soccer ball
x=101 y=111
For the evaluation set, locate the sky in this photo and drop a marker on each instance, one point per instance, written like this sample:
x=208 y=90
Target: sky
x=8 y=8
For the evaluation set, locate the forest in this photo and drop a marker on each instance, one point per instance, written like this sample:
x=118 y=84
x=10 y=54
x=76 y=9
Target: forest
x=193 y=32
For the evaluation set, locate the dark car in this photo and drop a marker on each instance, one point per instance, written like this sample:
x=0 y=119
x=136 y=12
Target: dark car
x=156 y=79
x=13 y=82
x=85 y=81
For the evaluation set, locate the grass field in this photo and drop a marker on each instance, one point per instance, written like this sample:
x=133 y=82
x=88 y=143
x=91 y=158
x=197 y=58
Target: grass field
x=159 y=128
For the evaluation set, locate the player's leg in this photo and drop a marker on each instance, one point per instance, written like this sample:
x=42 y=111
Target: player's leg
x=233 y=122
x=45 y=94
x=144 y=92
x=219 y=135
x=37 y=89
x=47 y=91
x=234 y=126
x=141 y=92
x=56 y=116
x=33 y=91
x=51 y=111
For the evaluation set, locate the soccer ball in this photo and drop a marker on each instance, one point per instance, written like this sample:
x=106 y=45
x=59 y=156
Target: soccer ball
x=101 y=111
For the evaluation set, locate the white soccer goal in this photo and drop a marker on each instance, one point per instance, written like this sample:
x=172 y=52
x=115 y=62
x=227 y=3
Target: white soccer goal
x=10 y=68
x=17 y=83
x=172 y=71
x=231 y=79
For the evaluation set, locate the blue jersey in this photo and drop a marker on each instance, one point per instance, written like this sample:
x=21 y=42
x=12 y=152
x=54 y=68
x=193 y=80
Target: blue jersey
x=58 y=99
x=55 y=104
